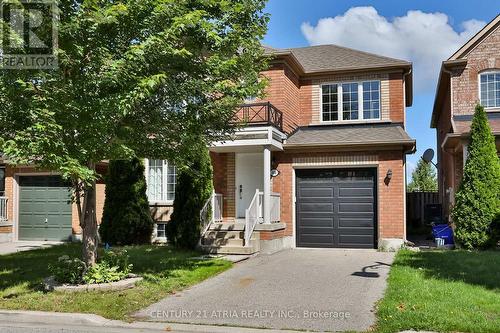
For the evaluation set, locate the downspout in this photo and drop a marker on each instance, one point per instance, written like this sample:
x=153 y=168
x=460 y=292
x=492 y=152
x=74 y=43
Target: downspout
x=445 y=197
x=404 y=158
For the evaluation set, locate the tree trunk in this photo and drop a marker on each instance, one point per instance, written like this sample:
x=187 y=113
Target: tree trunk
x=89 y=225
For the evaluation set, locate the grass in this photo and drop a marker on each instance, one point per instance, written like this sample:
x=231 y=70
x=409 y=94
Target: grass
x=165 y=271
x=444 y=291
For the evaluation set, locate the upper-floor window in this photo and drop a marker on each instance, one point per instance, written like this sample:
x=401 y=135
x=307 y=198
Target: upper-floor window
x=161 y=180
x=489 y=88
x=350 y=101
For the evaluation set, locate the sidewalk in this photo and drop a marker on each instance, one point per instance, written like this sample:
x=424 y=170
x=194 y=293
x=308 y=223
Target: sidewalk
x=54 y=322
x=18 y=246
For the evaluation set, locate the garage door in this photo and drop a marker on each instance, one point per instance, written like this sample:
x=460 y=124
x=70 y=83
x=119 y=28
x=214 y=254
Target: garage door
x=336 y=208
x=44 y=208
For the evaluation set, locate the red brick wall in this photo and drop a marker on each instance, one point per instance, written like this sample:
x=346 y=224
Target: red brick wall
x=306 y=95
x=270 y=235
x=283 y=92
x=224 y=180
x=396 y=97
x=465 y=90
x=390 y=196
x=5 y=229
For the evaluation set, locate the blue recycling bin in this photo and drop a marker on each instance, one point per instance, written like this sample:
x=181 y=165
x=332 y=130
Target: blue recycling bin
x=443 y=231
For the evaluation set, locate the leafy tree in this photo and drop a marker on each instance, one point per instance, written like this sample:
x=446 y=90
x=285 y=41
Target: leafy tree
x=194 y=187
x=477 y=201
x=154 y=78
x=423 y=178
x=126 y=218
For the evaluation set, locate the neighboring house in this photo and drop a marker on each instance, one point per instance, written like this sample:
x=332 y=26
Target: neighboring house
x=470 y=76
x=320 y=162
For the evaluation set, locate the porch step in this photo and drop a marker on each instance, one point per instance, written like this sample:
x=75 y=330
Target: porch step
x=228 y=226
x=230 y=249
x=229 y=238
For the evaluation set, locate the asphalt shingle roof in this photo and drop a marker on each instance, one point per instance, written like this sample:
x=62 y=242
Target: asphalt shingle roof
x=346 y=135
x=323 y=58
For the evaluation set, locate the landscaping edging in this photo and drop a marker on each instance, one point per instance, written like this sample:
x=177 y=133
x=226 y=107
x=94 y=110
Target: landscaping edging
x=50 y=284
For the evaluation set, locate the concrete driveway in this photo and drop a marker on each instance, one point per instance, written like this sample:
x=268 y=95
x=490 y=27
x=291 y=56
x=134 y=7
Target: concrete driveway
x=13 y=247
x=301 y=289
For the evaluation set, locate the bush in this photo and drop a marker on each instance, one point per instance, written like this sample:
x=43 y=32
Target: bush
x=113 y=266
x=477 y=201
x=193 y=189
x=126 y=217
x=68 y=270
x=117 y=258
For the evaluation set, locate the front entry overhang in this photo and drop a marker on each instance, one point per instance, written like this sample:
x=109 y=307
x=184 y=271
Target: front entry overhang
x=251 y=139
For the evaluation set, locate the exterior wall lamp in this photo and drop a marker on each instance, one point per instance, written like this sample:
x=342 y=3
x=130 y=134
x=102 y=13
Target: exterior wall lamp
x=388 y=177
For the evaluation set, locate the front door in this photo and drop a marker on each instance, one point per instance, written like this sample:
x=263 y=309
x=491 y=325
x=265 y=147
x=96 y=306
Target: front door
x=249 y=177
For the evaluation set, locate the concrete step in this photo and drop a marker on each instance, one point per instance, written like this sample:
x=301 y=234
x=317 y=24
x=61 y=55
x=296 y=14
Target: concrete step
x=229 y=234
x=223 y=234
x=229 y=249
x=223 y=241
x=227 y=226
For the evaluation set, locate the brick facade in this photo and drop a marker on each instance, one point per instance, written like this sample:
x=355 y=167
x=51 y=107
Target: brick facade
x=464 y=81
x=459 y=98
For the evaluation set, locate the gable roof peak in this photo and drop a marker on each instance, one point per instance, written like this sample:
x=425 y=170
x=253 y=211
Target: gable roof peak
x=465 y=49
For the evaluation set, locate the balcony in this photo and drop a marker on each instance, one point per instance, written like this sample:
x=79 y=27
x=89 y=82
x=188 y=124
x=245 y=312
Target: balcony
x=259 y=114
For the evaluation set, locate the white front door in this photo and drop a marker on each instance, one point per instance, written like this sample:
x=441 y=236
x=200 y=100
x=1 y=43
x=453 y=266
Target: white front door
x=249 y=177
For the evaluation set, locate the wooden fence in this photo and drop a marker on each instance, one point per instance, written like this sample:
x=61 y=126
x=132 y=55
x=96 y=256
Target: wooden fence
x=415 y=206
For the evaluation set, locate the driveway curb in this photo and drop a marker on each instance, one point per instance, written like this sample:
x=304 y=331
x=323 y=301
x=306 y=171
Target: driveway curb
x=91 y=320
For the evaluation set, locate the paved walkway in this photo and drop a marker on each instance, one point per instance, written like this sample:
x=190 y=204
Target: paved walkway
x=302 y=289
x=13 y=247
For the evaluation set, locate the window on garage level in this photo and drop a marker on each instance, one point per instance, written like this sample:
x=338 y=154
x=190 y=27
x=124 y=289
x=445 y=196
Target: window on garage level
x=161 y=180
x=160 y=230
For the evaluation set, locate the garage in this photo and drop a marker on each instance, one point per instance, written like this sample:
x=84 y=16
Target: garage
x=44 y=208
x=336 y=208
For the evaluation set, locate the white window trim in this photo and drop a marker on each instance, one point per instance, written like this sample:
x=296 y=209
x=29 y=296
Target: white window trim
x=493 y=71
x=164 y=177
x=340 y=102
x=155 y=231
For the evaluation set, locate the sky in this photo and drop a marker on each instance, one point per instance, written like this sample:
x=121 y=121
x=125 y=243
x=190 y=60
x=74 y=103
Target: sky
x=425 y=32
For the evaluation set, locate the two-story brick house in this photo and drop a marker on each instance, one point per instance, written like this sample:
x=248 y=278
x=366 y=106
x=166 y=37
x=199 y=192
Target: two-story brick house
x=322 y=159
x=320 y=162
x=470 y=76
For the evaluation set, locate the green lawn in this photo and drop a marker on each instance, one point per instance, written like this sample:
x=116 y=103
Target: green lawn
x=444 y=291
x=164 y=269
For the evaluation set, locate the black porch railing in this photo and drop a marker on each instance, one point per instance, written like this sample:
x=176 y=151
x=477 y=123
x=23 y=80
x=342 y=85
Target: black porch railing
x=255 y=114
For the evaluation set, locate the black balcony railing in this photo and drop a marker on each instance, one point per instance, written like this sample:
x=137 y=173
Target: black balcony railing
x=255 y=114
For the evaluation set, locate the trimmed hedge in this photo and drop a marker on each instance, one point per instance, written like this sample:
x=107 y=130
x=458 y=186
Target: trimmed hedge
x=477 y=201
x=126 y=218
x=194 y=187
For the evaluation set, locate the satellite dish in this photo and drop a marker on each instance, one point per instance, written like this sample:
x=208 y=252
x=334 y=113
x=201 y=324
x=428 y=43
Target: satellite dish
x=428 y=155
x=274 y=172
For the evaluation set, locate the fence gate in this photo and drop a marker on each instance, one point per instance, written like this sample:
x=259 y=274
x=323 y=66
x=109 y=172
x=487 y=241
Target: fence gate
x=415 y=206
